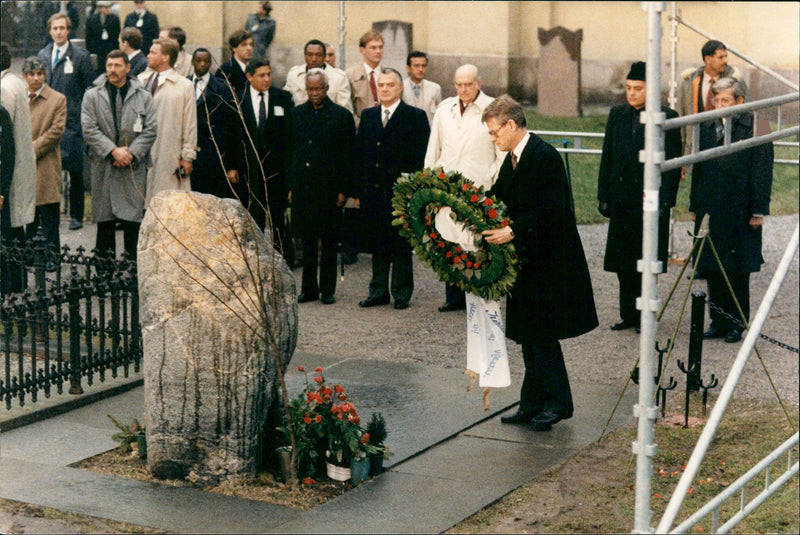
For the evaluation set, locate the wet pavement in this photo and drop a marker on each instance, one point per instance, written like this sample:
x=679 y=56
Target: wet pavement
x=451 y=457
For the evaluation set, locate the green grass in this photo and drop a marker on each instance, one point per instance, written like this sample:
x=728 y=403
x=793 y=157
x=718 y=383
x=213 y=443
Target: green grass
x=583 y=170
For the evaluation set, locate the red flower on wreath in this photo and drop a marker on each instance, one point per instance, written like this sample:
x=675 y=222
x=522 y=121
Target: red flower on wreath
x=465 y=187
x=442 y=176
x=476 y=265
x=474 y=198
x=307 y=418
x=458 y=249
x=492 y=214
x=488 y=202
x=469 y=263
x=441 y=244
x=318 y=418
x=338 y=389
x=504 y=223
x=463 y=256
x=448 y=254
x=457 y=260
x=433 y=235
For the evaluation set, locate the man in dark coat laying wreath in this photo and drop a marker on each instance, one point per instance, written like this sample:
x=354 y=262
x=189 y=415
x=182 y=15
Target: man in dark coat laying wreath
x=552 y=298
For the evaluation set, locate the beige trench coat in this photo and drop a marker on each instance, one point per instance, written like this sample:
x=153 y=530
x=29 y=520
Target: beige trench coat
x=22 y=197
x=176 y=115
x=48 y=120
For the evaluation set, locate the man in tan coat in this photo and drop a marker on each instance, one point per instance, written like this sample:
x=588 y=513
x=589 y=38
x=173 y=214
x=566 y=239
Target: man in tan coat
x=176 y=115
x=363 y=76
x=48 y=121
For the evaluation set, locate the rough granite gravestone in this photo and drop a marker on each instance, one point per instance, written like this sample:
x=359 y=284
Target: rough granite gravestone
x=217 y=306
x=559 y=91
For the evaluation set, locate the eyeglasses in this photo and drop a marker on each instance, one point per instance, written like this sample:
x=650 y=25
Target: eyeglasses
x=494 y=133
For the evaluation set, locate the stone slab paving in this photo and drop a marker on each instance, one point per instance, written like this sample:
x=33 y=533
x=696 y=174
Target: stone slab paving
x=451 y=459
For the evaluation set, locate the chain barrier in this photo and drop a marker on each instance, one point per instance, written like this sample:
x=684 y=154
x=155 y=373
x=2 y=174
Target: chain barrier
x=742 y=326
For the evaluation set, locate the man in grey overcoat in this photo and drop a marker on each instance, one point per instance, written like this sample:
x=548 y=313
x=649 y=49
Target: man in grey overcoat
x=119 y=125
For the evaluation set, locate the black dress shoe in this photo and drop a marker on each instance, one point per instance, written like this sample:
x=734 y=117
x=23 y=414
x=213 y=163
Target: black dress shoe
x=733 y=336
x=327 y=299
x=305 y=298
x=519 y=417
x=621 y=325
x=75 y=225
x=713 y=332
x=544 y=421
x=400 y=305
x=374 y=301
x=449 y=307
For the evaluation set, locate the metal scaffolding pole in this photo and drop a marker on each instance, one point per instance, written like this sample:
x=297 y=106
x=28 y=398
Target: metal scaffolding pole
x=342 y=33
x=653 y=155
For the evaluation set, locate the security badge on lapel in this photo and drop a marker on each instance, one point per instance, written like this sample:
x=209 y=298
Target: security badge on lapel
x=279 y=111
x=137 y=124
x=68 y=68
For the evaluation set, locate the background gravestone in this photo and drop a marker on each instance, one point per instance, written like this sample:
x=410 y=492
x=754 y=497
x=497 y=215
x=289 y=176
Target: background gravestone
x=218 y=306
x=397 y=43
x=560 y=72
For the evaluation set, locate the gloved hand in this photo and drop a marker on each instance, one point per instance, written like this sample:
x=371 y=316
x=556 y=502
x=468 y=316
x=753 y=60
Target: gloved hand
x=604 y=209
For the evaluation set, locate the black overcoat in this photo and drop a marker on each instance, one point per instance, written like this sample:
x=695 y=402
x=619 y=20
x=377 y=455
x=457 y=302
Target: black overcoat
x=383 y=154
x=731 y=189
x=620 y=184
x=72 y=85
x=216 y=119
x=95 y=43
x=149 y=28
x=321 y=148
x=552 y=296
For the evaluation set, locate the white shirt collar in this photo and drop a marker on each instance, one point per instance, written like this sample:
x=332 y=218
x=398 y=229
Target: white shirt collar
x=62 y=48
x=369 y=69
x=521 y=146
x=242 y=65
x=205 y=78
x=256 y=100
x=391 y=109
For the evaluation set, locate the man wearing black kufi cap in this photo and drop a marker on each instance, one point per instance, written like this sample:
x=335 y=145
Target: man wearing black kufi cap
x=620 y=189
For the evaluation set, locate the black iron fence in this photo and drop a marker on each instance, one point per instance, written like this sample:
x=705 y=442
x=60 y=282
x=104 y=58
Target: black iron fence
x=64 y=318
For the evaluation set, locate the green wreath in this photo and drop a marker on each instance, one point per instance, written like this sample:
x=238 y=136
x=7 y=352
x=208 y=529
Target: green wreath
x=488 y=272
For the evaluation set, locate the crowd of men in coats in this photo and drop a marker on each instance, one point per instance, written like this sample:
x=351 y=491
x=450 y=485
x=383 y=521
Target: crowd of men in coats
x=315 y=164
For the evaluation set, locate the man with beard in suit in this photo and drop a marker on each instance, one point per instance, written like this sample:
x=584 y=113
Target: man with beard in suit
x=392 y=138
x=261 y=149
x=552 y=296
x=620 y=187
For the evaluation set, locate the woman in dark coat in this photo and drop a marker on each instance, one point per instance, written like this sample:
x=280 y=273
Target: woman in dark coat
x=734 y=191
x=322 y=139
x=552 y=298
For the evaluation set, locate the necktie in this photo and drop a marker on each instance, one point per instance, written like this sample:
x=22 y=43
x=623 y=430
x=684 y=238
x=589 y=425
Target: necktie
x=385 y=117
x=373 y=86
x=513 y=161
x=709 y=104
x=461 y=106
x=262 y=116
x=155 y=84
x=30 y=98
x=416 y=90
x=58 y=55
x=198 y=91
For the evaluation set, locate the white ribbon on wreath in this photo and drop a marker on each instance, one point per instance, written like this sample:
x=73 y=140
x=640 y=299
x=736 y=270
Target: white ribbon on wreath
x=487 y=355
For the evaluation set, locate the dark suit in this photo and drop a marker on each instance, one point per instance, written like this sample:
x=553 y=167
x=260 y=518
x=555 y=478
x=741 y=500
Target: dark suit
x=383 y=154
x=552 y=297
x=269 y=153
x=149 y=28
x=95 y=43
x=231 y=73
x=138 y=64
x=620 y=186
x=321 y=167
x=215 y=117
x=72 y=85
